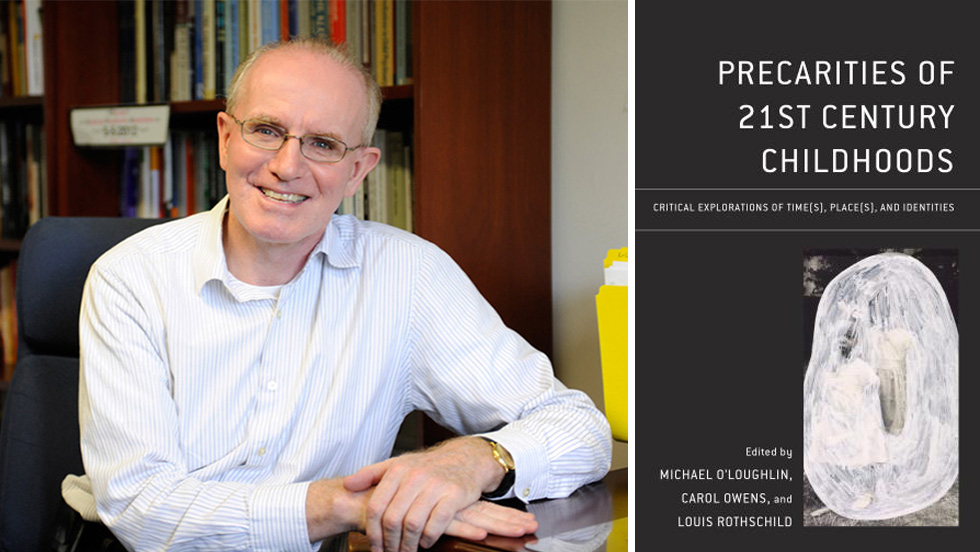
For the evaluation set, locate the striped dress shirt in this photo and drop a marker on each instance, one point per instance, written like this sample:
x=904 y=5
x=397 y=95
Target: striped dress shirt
x=207 y=405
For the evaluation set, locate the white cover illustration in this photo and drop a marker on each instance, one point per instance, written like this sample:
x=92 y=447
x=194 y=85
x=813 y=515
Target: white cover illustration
x=880 y=397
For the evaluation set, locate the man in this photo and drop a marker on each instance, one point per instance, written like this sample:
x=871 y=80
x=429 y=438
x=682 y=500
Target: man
x=236 y=364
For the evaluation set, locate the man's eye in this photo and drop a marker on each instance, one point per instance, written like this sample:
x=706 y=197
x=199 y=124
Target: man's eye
x=266 y=131
x=320 y=143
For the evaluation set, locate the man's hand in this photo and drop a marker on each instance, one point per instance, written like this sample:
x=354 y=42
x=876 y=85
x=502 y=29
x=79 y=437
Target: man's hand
x=418 y=497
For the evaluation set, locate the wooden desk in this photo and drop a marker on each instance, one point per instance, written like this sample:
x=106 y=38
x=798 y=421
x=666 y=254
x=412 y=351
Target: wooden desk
x=593 y=518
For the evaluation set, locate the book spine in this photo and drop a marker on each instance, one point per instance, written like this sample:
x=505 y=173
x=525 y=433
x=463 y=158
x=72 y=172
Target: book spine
x=254 y=24
x=129 y=183
x=403 y=42
x=320 y=25
x=338 y=21
x=208 y=51
x=190 y=174
x=353 y=31
x=197 y=49
x=231 y=42
x=157 y=52
x=304 y=17
x=127 y=56
x=16 y=41
x=270 y=21
x=34 y=47
x=139 y=28
x=220 y=39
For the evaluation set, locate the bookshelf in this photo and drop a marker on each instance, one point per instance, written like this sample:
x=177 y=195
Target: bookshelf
x=477 y=114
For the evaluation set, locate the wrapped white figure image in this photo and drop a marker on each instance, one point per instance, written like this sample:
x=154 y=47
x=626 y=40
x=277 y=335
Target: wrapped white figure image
x=880 y=397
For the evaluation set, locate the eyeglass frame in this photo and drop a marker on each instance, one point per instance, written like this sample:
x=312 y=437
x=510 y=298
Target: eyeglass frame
x=286 y=136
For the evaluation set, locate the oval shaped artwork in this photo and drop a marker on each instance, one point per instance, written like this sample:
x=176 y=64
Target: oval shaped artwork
x=880 y=397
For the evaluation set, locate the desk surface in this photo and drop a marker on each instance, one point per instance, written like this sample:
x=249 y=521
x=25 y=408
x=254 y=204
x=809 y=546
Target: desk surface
x=593 y=518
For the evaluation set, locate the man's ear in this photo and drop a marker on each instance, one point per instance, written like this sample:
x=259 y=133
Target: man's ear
x=367 y=158
x=225 y=128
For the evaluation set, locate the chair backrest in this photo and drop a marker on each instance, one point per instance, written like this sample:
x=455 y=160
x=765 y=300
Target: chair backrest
x=39 y=432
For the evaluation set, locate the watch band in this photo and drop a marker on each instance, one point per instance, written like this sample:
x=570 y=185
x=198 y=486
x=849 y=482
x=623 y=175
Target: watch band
x=502 y=457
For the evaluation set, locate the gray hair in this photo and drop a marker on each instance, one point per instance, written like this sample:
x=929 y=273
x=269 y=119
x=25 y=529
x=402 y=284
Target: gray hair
x=317 y=45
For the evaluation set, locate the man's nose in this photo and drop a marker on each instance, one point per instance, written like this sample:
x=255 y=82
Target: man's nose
x=288 y=163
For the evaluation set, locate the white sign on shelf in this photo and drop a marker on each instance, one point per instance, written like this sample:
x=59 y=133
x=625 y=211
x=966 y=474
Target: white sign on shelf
x=118 y=126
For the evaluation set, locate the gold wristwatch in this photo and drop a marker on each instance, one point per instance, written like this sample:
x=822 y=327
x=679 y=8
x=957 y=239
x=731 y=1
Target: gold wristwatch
x=506 y=462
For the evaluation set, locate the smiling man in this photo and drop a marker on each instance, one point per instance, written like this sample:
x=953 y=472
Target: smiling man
x=244 y=372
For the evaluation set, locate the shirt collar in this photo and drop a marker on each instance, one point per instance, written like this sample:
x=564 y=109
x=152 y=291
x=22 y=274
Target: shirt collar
x=337 y=246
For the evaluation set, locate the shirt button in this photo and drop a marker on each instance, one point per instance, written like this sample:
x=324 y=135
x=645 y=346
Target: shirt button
x=278 y=313
x=272 y=385
x=526 y=493
x=261 y=451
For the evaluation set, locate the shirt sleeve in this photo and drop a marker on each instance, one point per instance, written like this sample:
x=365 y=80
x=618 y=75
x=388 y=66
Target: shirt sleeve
x=474 y=375
x=131 y=447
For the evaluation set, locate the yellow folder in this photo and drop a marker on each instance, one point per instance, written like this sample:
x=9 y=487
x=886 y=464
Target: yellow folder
x=611 y=308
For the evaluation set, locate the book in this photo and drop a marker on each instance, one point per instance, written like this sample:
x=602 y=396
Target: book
x=231 y=58
x=198 y=49
x=129 y=182
x=158 y=57
x=127 y=52
x=320 y=16
x=220 y=45
x=353 y=32
x=8 y=313
x=140 y=41
x=181 y=79
x=383 y=60
x=15 y=40
x=403 y=43
x=33 y=47
x=338 y=21
x=36 y=192
x=271 y=30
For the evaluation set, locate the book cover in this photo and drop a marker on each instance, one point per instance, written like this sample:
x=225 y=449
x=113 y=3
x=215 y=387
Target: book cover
x=805 y=224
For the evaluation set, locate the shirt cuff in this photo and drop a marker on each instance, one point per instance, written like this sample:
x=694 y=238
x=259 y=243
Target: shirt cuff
x=278 y=517
x=530 y=463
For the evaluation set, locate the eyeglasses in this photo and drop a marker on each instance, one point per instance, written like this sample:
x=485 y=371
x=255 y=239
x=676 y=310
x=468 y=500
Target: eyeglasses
x=267 y=136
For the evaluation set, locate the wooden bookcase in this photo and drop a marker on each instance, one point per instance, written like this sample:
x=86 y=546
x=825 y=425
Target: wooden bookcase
x=480 y=114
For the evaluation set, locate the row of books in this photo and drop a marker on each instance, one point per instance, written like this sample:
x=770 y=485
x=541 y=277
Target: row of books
x=177 y=179
x=21 y=48
x=22 y=177
x=184 y=177
x=188 y=49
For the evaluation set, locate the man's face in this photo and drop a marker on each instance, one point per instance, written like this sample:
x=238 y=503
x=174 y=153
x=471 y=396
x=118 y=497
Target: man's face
x=280 y=197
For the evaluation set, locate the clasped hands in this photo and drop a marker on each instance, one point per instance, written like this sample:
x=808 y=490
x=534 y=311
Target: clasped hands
x=411 y=500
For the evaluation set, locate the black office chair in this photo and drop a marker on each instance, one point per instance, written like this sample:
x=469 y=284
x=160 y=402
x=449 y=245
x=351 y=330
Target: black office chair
x=39 y=434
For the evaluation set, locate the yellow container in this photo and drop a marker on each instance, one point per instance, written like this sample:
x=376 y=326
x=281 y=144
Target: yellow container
x=611 y=307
